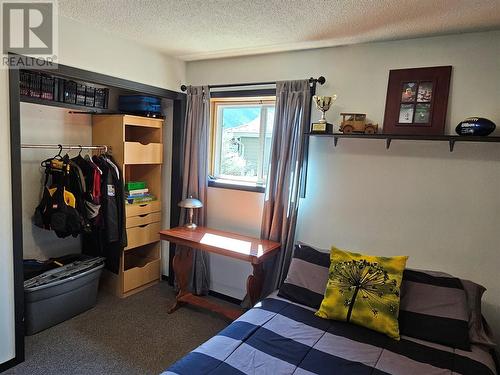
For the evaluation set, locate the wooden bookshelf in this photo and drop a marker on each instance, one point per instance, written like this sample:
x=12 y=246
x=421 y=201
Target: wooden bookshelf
x=136 y=145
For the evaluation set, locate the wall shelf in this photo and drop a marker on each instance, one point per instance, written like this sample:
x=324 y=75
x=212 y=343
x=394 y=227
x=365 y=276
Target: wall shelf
x=451 y=139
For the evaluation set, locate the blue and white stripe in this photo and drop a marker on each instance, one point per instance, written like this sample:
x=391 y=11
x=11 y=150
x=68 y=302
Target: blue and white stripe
x=281 y=337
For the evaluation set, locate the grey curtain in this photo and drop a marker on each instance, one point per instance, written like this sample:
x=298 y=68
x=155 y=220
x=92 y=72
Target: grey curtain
x=195 y=173
x=293 y=104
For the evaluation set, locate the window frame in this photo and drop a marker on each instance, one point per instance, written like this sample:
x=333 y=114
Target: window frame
x=216 y=105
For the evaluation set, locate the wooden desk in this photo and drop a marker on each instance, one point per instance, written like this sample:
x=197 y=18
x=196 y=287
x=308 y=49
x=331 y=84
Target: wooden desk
x=252 y=250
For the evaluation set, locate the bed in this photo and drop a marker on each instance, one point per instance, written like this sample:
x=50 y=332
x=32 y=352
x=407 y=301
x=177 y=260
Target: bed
x=278 y=336
x=282 y=335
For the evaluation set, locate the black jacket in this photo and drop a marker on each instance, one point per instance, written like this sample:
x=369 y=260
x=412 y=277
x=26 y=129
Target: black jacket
x=110 y=239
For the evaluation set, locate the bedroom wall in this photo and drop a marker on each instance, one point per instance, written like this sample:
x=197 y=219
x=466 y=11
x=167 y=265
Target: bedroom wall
x=235 y=211
x=84 y=48
x=417 y=198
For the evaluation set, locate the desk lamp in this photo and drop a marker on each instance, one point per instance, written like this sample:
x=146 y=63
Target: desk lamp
x=190 y=203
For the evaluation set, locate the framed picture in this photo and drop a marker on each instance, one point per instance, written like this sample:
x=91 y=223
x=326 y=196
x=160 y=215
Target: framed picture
x=417 y=101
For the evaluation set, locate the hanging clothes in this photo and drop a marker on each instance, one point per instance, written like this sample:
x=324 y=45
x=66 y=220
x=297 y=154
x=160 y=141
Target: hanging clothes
x=120 y=194
x=58 y=209
x=78 y=187
x=85 y=195
x=110 y=200
x=110 y=239
x=91 y=186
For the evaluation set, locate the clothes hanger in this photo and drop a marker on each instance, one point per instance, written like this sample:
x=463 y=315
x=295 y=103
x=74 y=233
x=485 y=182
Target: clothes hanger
x=46 y=163
x=104 y=153
x=79 y=156
x=89 y=159
x=79 y=153
x=59 y=156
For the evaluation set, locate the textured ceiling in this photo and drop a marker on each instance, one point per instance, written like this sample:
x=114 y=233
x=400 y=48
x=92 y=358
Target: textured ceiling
x=201 y=29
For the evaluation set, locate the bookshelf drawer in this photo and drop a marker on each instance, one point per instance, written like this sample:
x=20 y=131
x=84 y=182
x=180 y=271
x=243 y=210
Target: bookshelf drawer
x=139 y=220
x=142 y=209
x=142 y=235
x=141 y=267
x=137 y=153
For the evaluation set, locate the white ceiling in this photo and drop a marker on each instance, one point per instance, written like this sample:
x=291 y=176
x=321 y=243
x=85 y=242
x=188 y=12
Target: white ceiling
x=201 y=29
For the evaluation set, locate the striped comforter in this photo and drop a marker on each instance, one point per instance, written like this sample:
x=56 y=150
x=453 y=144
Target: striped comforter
x=281 y=337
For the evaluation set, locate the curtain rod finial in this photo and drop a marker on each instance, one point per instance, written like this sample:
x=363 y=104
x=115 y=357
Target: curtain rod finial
x=321 y=80
x=183 y=87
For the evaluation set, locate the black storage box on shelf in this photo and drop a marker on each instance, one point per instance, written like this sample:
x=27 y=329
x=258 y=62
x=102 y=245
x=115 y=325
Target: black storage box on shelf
x=80 y=94
x=24 y=83
x=58 y=89
x=101 y=98
x=89 y=96
x=34 y=85
x=70 y=92
x=52 y=88
x=140 y=105
x=47 y=87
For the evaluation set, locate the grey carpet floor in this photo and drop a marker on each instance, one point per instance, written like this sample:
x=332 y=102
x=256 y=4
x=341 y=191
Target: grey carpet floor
x=134 y=335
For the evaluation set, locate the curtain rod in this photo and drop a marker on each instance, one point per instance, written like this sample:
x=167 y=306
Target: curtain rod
x=321 y=80
x=66 y=147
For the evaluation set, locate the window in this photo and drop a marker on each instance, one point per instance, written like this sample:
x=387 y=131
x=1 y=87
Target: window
x=241 y=139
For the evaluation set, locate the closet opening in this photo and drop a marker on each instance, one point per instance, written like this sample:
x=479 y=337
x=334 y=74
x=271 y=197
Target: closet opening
x=146 y=149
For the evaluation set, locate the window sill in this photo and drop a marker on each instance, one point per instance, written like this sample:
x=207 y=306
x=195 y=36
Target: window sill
x=236 y=185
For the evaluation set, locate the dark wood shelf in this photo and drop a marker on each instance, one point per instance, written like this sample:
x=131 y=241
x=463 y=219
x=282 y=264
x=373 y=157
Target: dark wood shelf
x=451 y=139
x=52 y=103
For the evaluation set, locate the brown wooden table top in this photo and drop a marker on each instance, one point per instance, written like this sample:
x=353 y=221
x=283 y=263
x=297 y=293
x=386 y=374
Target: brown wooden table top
x=233 y=245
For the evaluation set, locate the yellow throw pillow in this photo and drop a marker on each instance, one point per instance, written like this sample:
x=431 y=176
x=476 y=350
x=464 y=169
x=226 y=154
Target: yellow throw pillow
x=364 y=290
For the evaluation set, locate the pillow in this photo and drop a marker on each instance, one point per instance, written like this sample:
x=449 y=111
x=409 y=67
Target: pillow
x=434 y=308
x=479 y=331
x=364 y=290
x=307 y=275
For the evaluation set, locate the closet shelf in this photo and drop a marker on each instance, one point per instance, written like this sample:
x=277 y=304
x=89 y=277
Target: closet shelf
x=451 y=139
x=52 y=103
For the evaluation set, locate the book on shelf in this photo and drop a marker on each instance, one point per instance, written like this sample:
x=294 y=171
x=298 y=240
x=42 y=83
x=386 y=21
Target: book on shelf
x=142 y=199
x=137 y=196
x=137 y=192
x=135 y=185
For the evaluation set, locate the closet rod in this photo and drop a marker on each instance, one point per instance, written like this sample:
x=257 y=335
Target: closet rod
x=66 y=147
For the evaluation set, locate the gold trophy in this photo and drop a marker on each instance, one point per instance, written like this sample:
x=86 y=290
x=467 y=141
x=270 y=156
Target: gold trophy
x=323 y=103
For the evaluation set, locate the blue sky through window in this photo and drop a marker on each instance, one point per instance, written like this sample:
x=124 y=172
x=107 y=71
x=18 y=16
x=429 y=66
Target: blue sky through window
x=233 y=117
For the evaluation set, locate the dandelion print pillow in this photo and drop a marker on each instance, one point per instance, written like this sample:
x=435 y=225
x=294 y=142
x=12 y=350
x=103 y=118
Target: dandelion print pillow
x=364 y=290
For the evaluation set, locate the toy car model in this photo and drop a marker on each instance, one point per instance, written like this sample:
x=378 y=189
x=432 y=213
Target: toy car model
x=356 y=123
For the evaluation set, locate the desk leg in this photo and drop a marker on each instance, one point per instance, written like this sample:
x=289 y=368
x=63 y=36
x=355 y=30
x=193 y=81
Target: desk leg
x=254 y=283
x=182 y=264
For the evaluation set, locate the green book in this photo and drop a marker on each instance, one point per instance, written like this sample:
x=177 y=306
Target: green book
x=135 y=185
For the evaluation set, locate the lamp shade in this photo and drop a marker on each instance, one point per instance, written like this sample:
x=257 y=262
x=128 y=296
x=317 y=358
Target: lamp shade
x=190 y=203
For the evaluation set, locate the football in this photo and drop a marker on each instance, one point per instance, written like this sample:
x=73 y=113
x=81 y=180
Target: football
x=475 y=126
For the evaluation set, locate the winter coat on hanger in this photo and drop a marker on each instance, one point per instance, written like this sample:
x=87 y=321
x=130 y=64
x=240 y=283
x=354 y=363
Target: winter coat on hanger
x=58 y=209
